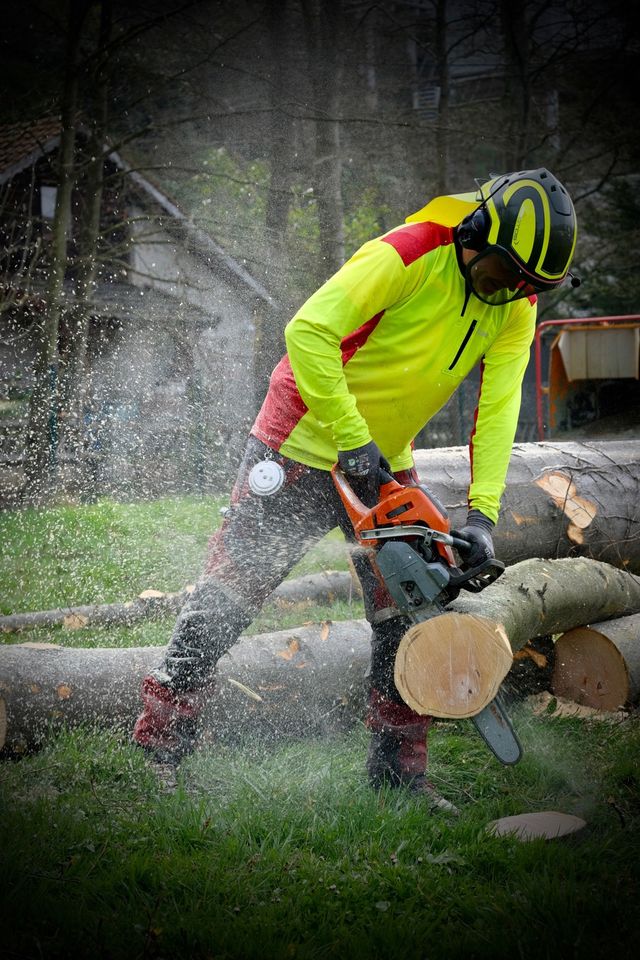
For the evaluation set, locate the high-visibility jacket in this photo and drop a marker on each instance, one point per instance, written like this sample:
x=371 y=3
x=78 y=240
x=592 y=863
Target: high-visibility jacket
x=380 y=348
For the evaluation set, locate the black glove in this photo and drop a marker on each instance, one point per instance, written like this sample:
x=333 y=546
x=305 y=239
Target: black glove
x=478 y=533
x=362 y=467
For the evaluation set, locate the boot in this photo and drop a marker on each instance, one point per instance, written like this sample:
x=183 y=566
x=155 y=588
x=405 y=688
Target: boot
x=167 y=728
x=398 y=750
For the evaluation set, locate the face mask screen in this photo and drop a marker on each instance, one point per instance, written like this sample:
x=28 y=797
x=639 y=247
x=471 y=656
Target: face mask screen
x=495 y=279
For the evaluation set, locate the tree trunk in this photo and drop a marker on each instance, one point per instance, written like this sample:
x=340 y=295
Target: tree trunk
x=308 y=680
x=323 y=28
x=73 y=365
x=41 y=437
x=561 y=499
x=269 y=322
x=442 y=76
x=599 y=665
x=452 y=666
x=517 y=94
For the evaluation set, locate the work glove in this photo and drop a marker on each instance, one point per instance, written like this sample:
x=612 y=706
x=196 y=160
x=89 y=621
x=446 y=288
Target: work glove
x=478 y=533
x=362 y=467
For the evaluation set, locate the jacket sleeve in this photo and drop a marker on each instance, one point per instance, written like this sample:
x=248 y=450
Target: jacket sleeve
x=370 y=282
x=490 y=446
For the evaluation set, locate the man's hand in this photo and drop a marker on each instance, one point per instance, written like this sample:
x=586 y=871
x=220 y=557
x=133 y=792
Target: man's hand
x=478 y=533
x=362 y=467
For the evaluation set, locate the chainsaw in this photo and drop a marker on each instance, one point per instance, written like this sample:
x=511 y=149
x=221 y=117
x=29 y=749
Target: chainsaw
x=412 y=543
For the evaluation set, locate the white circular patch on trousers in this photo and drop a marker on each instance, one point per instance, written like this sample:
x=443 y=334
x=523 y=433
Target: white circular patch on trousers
x=265 y=478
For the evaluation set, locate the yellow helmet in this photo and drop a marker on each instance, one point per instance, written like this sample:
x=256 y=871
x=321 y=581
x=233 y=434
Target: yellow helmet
x=529 y=217
x=526 y=219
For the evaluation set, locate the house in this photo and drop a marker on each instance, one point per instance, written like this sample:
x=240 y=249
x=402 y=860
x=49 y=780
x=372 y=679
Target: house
x=172 y=326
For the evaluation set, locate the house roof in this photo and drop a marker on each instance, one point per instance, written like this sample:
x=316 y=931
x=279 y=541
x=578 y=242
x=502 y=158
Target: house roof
x=22 y=144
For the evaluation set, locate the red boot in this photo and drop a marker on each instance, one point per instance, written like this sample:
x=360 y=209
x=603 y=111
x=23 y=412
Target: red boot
x=167 y=726
x=398 y=749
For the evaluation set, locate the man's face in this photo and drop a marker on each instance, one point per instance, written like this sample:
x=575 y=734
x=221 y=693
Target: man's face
x=495 y=280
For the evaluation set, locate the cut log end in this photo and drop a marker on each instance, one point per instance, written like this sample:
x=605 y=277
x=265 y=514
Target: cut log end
x=590 y=670
x=452 y=666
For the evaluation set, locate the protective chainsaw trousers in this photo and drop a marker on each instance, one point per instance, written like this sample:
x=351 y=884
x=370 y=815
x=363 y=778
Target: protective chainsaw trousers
x=258 y=543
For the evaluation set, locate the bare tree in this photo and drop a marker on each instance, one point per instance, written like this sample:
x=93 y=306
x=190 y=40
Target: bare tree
x=73 y=362
x=41 y=438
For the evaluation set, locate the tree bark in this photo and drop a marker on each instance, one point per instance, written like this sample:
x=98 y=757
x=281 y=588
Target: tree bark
x=561 y=499
x=73 y=380
x=517 y=93
x=305 y=681
x=323 y=28
x=442 y=75
x=41 y=437
x=452 y=666
x=599 y=665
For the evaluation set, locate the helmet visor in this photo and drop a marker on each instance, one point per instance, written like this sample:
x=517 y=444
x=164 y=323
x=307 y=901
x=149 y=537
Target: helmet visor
x=495 y=278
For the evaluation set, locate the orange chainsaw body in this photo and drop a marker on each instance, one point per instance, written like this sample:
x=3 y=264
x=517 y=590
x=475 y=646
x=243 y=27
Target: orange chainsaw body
x=398 y=506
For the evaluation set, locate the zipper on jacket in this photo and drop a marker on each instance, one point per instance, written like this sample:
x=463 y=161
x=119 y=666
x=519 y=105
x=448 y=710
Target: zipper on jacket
x=467 y=337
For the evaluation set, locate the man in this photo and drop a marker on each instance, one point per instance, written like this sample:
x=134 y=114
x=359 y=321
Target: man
x=371 y=357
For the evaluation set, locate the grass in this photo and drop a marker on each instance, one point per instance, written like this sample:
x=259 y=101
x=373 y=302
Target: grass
x=282 y=850
x=109 y=552
x=286 y=852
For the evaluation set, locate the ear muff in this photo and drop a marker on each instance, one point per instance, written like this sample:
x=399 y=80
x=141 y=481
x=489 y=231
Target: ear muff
x=474 y=229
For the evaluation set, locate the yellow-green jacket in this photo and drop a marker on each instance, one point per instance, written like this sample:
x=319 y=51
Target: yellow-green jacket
x=381 y=347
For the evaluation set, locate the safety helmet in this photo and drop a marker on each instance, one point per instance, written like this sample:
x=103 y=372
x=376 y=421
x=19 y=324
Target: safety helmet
x=527 y=224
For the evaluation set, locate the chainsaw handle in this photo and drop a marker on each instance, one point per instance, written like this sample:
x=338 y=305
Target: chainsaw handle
x=477 y=578
x=354 y=506
x=458 y=542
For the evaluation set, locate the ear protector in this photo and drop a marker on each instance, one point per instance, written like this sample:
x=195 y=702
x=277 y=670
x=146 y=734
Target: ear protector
x=474 y=229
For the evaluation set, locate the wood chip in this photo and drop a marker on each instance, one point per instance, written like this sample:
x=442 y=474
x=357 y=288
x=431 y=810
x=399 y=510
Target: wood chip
x=293 y=647
x=75 y=621
x=548 y=825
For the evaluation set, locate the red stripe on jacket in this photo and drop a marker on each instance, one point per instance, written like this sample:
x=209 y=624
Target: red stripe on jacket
x=415 y=240
x=283 y=407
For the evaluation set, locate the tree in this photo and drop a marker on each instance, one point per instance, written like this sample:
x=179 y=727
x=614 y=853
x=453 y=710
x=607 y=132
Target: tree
x=41 y=438
x=73 y=379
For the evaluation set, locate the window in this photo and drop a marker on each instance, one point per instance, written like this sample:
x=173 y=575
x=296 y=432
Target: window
x=48 y=201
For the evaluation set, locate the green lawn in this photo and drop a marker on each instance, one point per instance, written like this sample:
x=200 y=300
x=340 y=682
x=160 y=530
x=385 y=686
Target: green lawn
x=109 y=552
x=286 y=852
x=281 y=849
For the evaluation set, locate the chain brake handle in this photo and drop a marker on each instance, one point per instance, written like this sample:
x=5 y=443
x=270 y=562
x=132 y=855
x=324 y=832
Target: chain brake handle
x=477 y=578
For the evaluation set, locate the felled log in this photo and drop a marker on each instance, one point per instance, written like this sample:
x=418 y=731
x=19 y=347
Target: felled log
x=561 y=499
x=452 y=666
x=311 y=679
x=325 y=587
x=599 y=665
x=308 y=680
